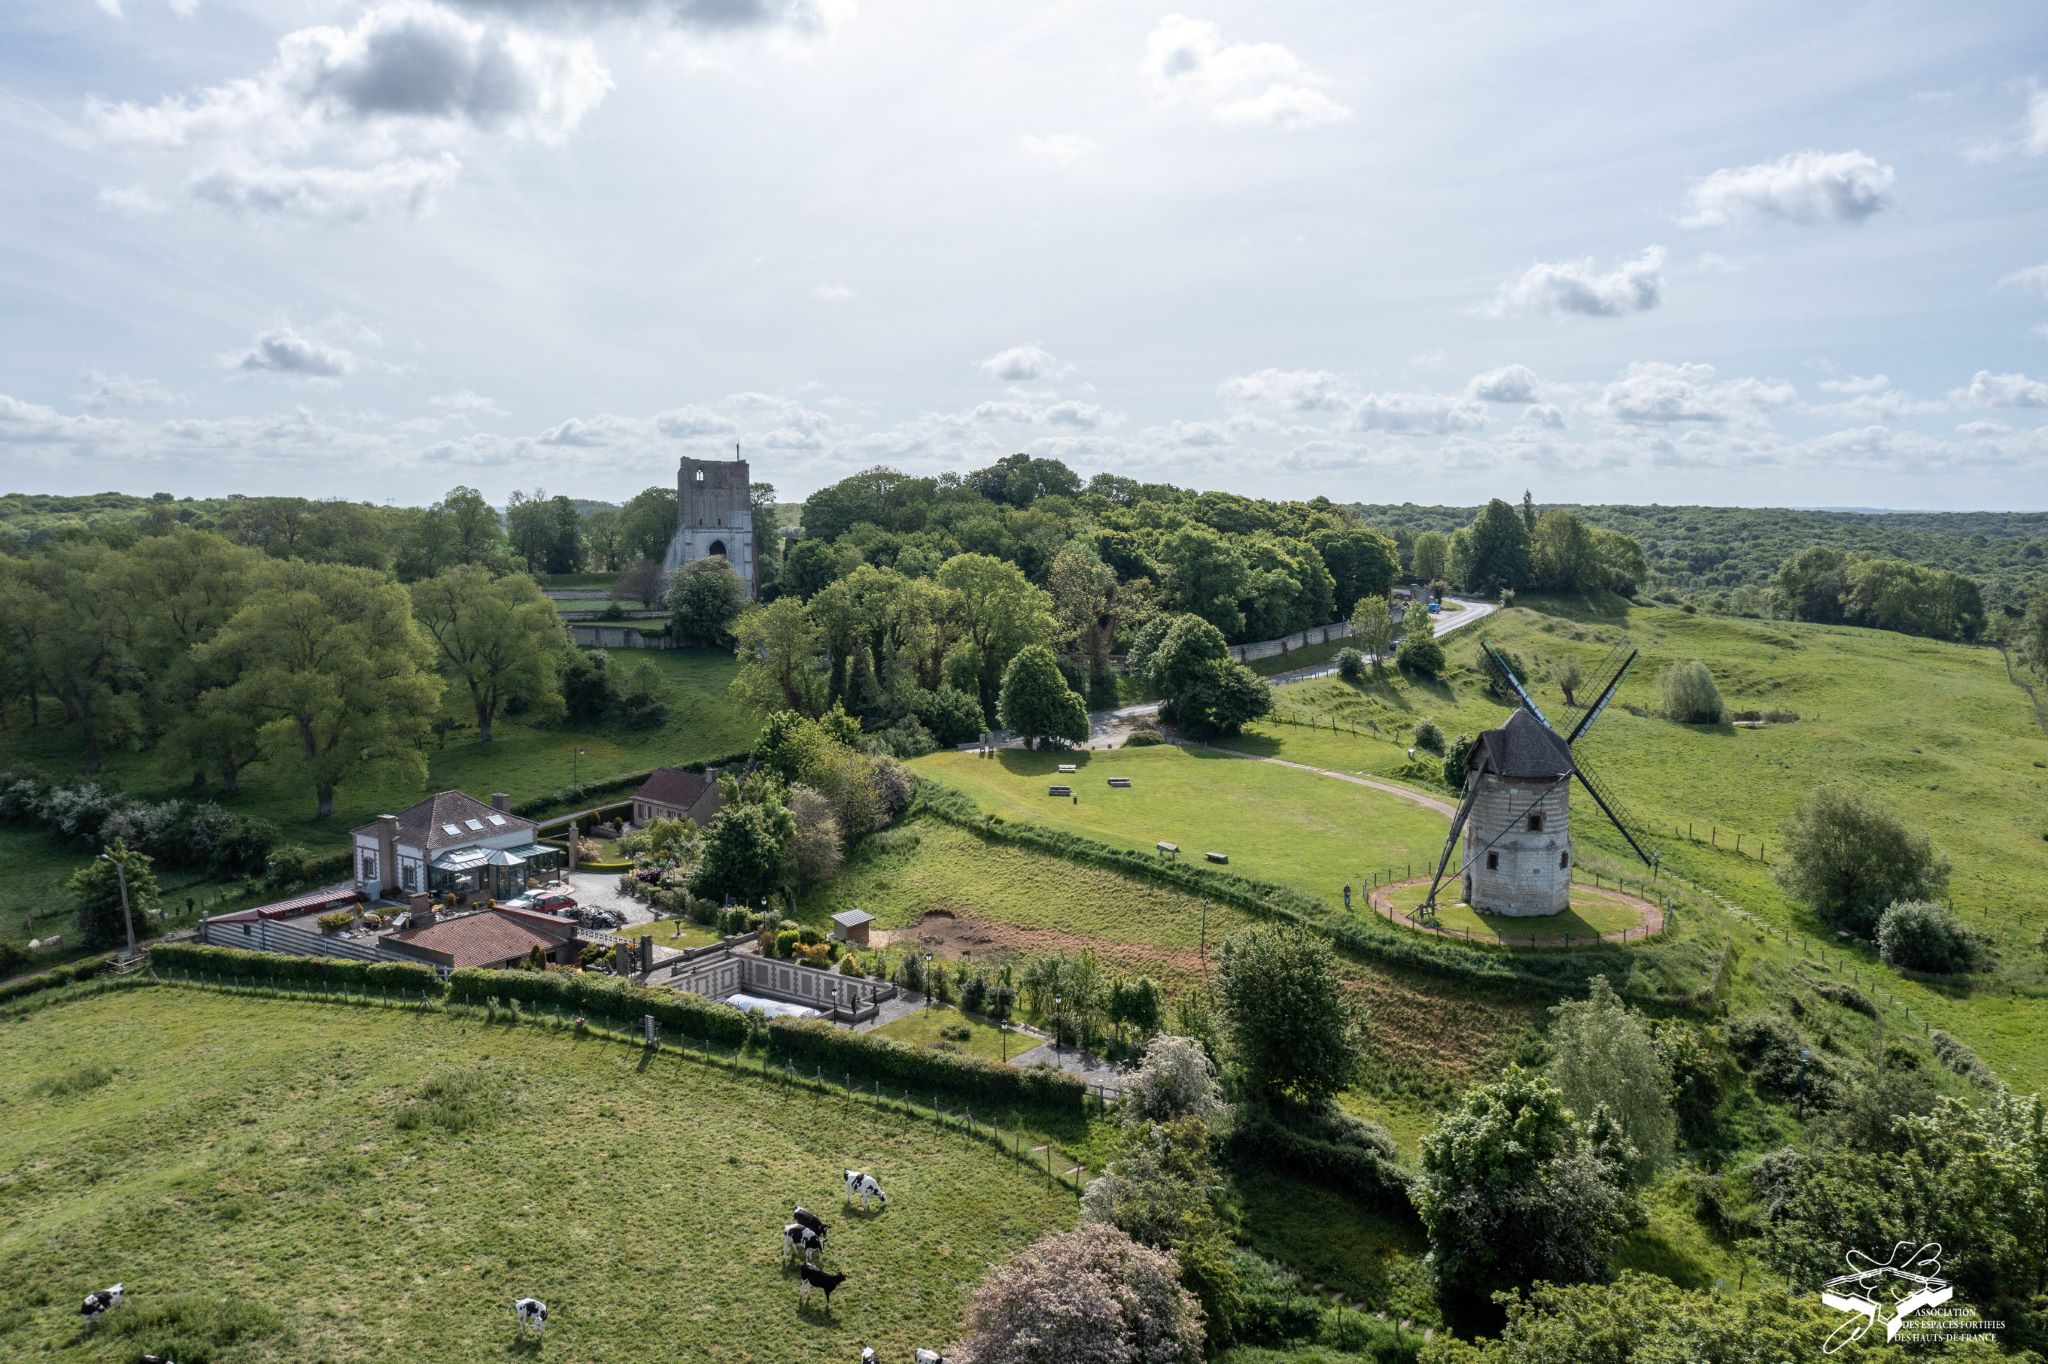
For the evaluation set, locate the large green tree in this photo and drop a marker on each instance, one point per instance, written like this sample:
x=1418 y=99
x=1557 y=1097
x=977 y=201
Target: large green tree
x=1373 y=628
x=743 y=856
x=1294 y=1034
x=1207 y=576
x=1848 y=858
x=1000 y=614
x=1493 y=552
x=70 y=609
x=705 y=597
x=1036 y=701
x=1565 y=555
x=1601 y=1052
x=334 y=673
x=1362 y=563
x=96 y=894
x=1430 y=557
x=499 y=638
x=780 y=648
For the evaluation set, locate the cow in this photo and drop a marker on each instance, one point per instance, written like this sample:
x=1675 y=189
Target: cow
x=98 y=1303
x=157 y=1359
x=800 y=1241
x=925 y=1356
x=867 y=1354
x=813 y=1277
x=863 y=1186
x=802 y=1214
x=532 y=1314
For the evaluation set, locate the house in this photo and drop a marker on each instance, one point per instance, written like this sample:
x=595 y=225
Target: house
x=489 y=938
x=851 y=926
x=672 y=793
x=451 y=843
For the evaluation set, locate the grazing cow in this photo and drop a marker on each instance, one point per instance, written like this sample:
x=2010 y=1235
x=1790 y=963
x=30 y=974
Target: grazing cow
x=99 y=1303
x=813 y=1277
x=158 y=1359
x=867 y=1354
x=799 y=1240
x=532 y=1314
x=925 y=1356
x=802 y=1214
x=864 y=1187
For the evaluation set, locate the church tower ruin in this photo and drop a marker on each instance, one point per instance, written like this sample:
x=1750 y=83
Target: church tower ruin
x=714 y=515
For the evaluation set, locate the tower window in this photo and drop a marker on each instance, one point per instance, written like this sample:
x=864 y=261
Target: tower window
x=1536 y=824
x=1564 y=859
x=700 y=475
x=1493 y=861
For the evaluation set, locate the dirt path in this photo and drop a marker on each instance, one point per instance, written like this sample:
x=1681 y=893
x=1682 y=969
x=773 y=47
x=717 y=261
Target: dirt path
x=1442 y=807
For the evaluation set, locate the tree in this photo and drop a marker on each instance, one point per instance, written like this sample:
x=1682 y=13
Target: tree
x=1088 y=1296
x=1454 y=761
x=1161 y=1185
x=808 y=568
x=1430 y=557
x=1176 y=1080
x=1204 y=688
x=1020 y=480
x=2034 y=630
x=1372 y=625
x=1361 y=563
x=1565 y=557
x=1294 y=1034
x=1812 y=584
x=603 y=536
x=641 y=582
x=1919 y=935
x=1690 y=696
x=815 y=843
x=779 y=647
x=332 y=670
x=1512 y=1192
x=1528 y=511
x=499 y=637
x=563 y=552
x=1206 y=576
x=647 y=523
x=705 y=597
x=68 y=609
x=1847 y=858
x=1001 y=613
x=1036 y=701
x=743 y=851
x=1601 y=1052
x=1493 y=552
x=587 y=689
x=1623 y=565
x=1420 y=655
x=96 y=891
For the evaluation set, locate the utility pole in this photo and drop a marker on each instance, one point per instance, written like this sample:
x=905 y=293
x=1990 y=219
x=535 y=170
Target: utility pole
x=127 y=918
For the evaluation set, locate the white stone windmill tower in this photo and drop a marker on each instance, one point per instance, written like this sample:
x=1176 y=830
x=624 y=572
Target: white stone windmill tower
x=1516 y=815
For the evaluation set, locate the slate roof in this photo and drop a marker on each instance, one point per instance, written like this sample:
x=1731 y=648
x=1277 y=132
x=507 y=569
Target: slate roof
x=1523 y=747
x=482 y=939
x=674 y=787
x=426 y=824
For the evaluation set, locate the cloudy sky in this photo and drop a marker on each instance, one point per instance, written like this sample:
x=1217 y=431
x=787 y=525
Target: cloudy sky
x=1730 y=253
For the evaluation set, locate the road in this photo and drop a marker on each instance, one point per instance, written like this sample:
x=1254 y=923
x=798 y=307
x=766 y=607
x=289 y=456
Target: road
x=1106 y=728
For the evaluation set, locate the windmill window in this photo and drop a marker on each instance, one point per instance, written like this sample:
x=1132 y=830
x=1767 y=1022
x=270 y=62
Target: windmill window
x=1564 y=859
x=1493 y=861
x=1536 y=824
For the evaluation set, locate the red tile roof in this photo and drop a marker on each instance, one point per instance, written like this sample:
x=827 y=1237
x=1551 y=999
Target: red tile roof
x=486 y=938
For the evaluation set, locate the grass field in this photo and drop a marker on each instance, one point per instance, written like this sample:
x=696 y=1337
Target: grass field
x=34 y=903
x=671 y=933
x=1592 y=911
x=1276 y=825
x=939 y=1026
x=353 y=1184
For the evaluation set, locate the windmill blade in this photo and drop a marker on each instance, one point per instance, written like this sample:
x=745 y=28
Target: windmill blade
x=1573 y=709
x=1528 y=701
x=1611 y=809
x=1451 y=843
x=1606 y=694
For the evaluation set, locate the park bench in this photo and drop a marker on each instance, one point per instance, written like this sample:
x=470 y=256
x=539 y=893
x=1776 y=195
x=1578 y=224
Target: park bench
x=1119 y=781
x=1169 y=850
x=1068 y=767
x=1059 y=790
x=1218 y=857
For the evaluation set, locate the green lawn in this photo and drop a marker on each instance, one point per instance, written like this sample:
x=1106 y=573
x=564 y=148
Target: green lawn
x=1275 y=824
x=359 y=1185
x=1591 y=912
x=939 y=1026
x=525 y=760
x=597 y=604
x=1369 y=1258
x=671 y=933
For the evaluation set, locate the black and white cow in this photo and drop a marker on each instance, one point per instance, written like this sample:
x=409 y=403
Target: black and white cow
x=925 y=1356
x=98 y=1303
x=800 y=1241
x=802 y=1214
x=813 y=1277
x=532 y=1314
x=867 y=1354
x=157 y=1359
x=863 y=1186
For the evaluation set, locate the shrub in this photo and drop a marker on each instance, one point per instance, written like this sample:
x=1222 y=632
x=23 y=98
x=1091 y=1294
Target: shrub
x=288 y=865
x=1959 y=1058
x=1329 y=1147
x=836 y=1053
x=604 y=997
x=1920 y=935
x=1849 y=859
x=1429 y=738
x=1690 y=696
x=1420 y=656
x=1090 y=1295
x=1144 y=736
x=336 y=921
x=1176 y=1080
x=1351 y=665
x=334 y=973
x=54 y=979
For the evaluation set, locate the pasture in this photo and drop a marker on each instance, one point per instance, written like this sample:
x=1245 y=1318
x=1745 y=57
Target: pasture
x=1278 y=825
x=356 y=1184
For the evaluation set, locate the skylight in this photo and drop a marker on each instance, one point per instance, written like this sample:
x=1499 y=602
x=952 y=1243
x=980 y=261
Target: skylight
x=450 y=829
x=474 y=826
x=495 y=819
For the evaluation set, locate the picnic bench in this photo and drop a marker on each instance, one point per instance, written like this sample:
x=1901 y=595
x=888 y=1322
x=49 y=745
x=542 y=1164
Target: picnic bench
x=1059 y=790
x=1119 y=781
x=1068 y=767
x=1218 y=857
x=1169 y=850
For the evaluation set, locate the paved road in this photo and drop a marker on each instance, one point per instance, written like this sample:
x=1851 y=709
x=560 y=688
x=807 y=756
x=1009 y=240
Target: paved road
x=1106 y=728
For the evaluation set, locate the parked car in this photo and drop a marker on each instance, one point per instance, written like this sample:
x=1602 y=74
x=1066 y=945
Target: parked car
x=553 y=902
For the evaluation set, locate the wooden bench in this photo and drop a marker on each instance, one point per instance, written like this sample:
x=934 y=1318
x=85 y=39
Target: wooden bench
x=1119 y=781
x=1169 y=850
x=1218 y=857
x=1068 y=767
x=1059 y=790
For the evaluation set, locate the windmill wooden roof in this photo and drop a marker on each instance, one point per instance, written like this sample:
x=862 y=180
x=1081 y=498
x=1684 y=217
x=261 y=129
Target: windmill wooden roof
x=1523 y=747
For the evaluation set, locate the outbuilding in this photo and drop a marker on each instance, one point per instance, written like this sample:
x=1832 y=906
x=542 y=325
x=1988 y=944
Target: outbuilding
x=851 y=926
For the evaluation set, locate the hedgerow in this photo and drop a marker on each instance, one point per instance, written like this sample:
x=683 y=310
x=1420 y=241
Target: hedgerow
x=50 y=980
x=339 y=973
x=836 y=1053
x=606 y=996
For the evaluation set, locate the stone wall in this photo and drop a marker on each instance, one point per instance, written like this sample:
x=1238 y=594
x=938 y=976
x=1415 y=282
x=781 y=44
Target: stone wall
x=1270 y=648
x=1533 y=871
x=616 y=637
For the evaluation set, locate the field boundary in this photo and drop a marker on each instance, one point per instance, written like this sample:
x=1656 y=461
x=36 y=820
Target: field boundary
x=1654 y=920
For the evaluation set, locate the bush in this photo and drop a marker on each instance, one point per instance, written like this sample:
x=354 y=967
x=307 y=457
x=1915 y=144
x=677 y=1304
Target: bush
x=1690 y=696
x=605 y=997
x=1144 y=736
x=1351 y=665
x=1429 y=738
x=332 y=973
x=1920 y=935
x=835 y=1053
x=54 y=979
x=1329 y=1148
x=1420 y=656
x=1090 y=1295
x=195 y=835
x=288 y=865
x=1959 y=1058
x=1850 y=859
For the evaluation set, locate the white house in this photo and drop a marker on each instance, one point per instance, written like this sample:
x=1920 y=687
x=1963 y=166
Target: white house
x=450 y=842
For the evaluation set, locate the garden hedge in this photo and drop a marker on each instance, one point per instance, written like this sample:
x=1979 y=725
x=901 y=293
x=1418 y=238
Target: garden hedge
x=25 y=986
x=607 y=997
x=813 y=1044
x=1257 y=1139
x=336 y=973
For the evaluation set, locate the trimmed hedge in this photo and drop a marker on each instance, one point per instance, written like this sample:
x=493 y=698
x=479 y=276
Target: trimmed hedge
x=338 y=973
x=605 y=996
x=836 y=1052
x=25 y=986
x=1257 y=1139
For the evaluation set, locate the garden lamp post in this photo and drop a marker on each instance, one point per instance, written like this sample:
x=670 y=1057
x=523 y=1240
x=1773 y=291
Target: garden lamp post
x=127 y=918
x=1057 y=1054
x=576 y=769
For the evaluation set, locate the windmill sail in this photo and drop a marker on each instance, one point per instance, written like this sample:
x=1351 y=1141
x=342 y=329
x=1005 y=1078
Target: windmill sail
x=1609 y=806
x=1521 y=692
x=1600 y=703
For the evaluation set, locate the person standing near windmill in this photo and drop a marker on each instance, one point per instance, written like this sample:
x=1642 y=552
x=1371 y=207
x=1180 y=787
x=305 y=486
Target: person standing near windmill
x=1516 y=814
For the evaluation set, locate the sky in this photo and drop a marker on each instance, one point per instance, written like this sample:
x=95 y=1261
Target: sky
x=1735 y=254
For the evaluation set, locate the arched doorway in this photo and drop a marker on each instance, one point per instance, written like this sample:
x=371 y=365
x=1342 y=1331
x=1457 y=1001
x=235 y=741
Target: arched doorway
x=718 y=548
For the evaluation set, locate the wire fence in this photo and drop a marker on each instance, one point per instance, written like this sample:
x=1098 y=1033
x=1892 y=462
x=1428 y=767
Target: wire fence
x=1030 y=1148
x=1653 y=893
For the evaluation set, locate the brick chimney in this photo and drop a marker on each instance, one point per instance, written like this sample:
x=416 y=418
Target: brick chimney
x=387 y=853
x=501 y=802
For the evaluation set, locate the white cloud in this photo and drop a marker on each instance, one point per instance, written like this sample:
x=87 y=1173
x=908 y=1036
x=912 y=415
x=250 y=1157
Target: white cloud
x=1187 y=62
x=1873 y=398
x=405 y=187
x=1980 y=429
x=1544 y=414
x=1057 y=149
x=1289 y=390
x=1656 y=393
x=1004 y=411
x=1804 y=187
x=1084 y=415
x=683 y=423
x=1025 y=363
x=2006 y=390
x=467 y=403
x=1578 y=286
x=832 y=293
x=2033 y=280
x=1875 y=383
x=1426 y=412
x=1508 y=384
x=121 y=390
x=699 y=16
x=282 y=350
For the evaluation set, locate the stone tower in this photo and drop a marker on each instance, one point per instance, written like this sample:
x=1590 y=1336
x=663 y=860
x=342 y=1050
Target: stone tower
x=1518 y=847
x=714 y=515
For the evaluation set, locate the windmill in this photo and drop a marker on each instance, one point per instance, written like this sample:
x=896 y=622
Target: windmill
x=1516 y=812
